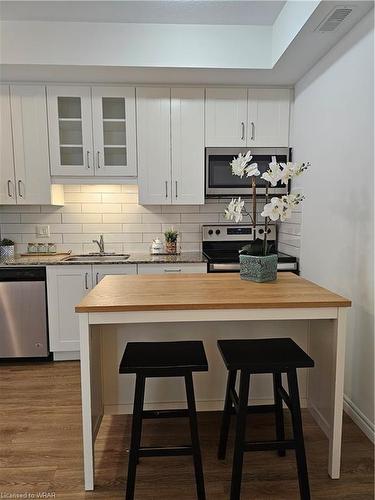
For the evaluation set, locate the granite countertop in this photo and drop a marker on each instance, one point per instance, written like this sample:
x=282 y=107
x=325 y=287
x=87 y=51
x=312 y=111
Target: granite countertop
x=134 y=258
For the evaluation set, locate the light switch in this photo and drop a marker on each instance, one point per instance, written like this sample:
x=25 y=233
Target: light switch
x=42 y=230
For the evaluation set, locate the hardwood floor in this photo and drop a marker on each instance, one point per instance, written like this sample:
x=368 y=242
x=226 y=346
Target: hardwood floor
x=41 y=449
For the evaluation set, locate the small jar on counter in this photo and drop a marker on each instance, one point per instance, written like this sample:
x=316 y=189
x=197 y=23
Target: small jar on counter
x=32 y=247
x=51 y=248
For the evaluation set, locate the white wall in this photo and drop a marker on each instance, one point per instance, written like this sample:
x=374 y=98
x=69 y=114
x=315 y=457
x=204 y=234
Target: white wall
x=334 y=130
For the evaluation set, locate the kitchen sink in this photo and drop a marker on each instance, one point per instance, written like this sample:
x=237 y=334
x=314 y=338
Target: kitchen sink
x=97 y=258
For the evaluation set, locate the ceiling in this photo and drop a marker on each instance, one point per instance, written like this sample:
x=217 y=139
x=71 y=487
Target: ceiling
x=243 y=12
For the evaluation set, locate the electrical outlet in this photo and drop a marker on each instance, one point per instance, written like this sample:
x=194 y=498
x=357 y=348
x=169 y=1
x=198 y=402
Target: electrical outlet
x=42 y=231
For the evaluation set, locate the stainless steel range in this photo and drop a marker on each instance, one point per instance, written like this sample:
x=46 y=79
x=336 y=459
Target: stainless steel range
x=221 y=244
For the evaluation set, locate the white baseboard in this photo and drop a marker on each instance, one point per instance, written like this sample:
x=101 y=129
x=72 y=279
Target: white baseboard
x=66 y=355
x=366 y=426
x=319 y=419
x=209 y=405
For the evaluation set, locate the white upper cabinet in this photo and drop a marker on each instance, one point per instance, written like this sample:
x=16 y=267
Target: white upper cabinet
x=25 y=177
x=187 y=133
x=70 y=130
x=92 y=131
x=268 y=117
x=113 y=110
x=226 y=117
x=7 y=180
x=154 y=145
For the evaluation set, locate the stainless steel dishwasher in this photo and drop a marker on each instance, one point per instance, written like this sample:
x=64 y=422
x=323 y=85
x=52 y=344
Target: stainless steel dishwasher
x=23 y=313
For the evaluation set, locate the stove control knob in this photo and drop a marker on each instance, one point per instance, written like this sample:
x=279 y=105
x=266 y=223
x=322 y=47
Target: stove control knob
x=268 y=230
x=261 y=231
x=217 y=231
x=210 y=231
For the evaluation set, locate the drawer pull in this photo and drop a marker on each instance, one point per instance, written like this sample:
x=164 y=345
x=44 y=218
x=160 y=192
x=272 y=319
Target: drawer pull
x=172 y=270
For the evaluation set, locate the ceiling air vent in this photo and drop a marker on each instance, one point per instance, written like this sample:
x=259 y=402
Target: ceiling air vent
x=334 y=19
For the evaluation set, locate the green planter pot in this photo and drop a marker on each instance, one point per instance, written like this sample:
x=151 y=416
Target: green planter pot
x=258 y=268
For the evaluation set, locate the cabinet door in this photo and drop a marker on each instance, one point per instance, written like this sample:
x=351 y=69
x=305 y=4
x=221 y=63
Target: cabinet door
x=66 y=286
x=30 y=139
x=187 y=133
x=114 y=131
x=99 y=271
x=70 y=130
x=268 y=117
x=172 y=268
x=154 y=145
x=226 y=117
x=7 y=181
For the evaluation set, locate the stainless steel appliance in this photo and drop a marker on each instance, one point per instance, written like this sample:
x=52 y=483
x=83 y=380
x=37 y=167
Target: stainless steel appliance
x=221 y=244
x=220 y=181
x=23 y=313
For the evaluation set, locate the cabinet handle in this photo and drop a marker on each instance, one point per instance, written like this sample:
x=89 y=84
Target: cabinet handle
x=86 y=281
x=172 y=270
x=88 y=158
x=252 y=131
x=242 y=131
x=98 y=158
x=97 y=278
x=9 y=184
x=166 y=189
x=19 y=183
x=176 y=190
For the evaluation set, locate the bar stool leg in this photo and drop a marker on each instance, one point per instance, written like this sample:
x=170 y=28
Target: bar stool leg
x=303 y=478
x=194 y=437
x=279 y=415
x=136 y=435
x=239 y=445
x=225 y=419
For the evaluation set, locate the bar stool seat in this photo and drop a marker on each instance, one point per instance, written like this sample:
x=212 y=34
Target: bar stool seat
x=276 y=356
x=163 y=359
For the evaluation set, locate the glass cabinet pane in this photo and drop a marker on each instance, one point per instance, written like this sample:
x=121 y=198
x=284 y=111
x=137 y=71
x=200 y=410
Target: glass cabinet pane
x=70 y=132
x=114 y=133
x=113 y=108
x=71 y=155
x=114 y=156
x=69 y=107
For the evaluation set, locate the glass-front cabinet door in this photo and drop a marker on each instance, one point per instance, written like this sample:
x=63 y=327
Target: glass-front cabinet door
x=114 y=131
x=70 y=130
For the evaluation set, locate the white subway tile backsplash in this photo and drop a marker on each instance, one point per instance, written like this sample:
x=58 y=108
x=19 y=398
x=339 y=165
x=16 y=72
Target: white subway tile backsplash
x=113 y=210
x=83 y=197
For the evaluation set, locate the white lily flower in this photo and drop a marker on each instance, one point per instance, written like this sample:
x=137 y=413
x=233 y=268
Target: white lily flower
x=234 y=210
x=273 y=174
x=252 y=169
x=290 y=170
x=239 y=164
x=274 y=209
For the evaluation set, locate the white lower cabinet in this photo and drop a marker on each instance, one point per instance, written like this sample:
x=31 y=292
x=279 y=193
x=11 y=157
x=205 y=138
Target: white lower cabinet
x=99 y=271
x=66 y=286
x=199 y=267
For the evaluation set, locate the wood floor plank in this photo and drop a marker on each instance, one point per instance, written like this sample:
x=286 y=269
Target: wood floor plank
x=41 y=449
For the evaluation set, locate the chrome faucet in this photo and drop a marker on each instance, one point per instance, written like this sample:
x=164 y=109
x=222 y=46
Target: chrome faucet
x=100 y=244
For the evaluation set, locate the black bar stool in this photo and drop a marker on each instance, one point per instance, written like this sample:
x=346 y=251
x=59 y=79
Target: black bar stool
x=164 y=359
x=274 y=356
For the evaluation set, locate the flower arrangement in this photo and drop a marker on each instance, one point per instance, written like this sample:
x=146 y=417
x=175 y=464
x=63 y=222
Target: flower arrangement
x=278 y=208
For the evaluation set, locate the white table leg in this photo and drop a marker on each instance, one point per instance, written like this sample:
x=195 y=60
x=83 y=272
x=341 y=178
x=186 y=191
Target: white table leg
x=338 y=364
x=88 y=441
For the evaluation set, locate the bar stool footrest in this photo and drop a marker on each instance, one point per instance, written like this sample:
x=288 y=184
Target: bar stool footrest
x=164 y=451
x=288 y=444
x=149 y=414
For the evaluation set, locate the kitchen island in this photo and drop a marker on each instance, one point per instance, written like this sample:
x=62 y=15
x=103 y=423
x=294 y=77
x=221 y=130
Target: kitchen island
x=202 y=298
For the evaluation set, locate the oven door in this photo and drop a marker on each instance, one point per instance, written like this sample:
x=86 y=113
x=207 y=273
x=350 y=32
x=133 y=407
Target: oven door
x=220 y=181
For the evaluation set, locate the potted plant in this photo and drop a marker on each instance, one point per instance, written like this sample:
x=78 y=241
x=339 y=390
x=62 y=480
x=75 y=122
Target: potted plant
x=257 y=263
x=171 y=236
x=6 y=249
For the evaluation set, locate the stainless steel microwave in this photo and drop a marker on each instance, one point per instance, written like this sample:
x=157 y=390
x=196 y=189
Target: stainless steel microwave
x=220 y=181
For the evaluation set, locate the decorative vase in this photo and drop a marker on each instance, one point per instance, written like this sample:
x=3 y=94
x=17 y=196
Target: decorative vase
x=259 y=268
x=6 y=252
x=171 y=247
